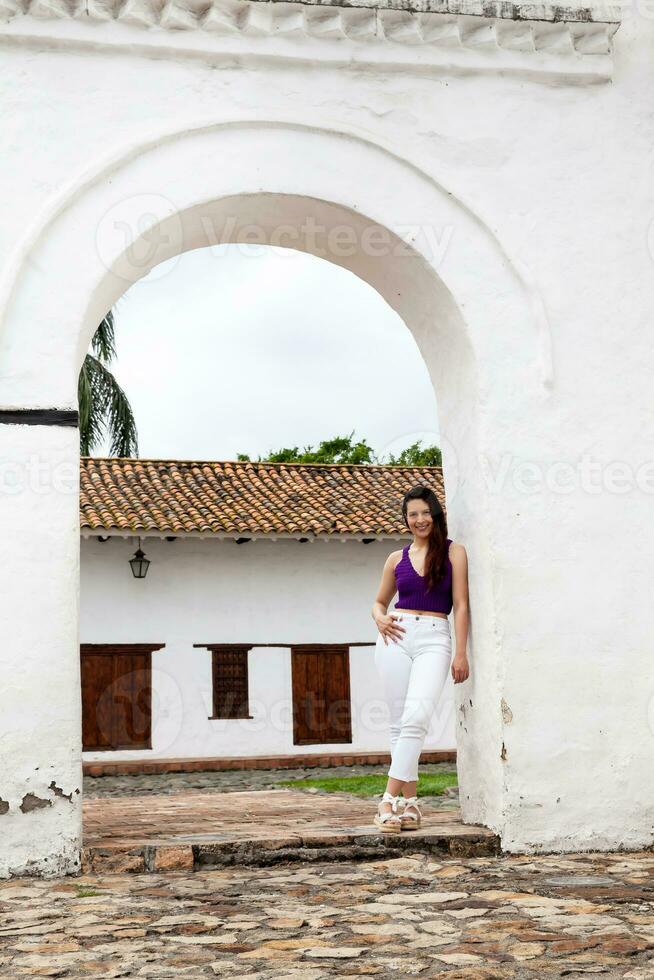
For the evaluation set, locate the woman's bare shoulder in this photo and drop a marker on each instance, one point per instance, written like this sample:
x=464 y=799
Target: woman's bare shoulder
x=457 y=551
x=393 y=558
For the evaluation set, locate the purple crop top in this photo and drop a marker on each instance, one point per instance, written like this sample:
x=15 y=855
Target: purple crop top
x=412 y=589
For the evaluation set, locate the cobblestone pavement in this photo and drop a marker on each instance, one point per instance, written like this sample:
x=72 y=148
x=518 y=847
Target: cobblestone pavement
x=465 y=919
x=241 y=780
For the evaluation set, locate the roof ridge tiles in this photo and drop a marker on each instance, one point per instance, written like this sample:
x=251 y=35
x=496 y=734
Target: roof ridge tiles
x=366 y=467
x=203 y=497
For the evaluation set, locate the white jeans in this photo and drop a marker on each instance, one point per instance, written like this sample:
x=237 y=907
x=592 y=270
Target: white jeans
x=413 y=671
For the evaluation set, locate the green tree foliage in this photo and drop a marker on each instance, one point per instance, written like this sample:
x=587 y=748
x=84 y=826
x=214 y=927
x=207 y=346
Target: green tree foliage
x=342 y=449
x=415 y=455
x=103 y=405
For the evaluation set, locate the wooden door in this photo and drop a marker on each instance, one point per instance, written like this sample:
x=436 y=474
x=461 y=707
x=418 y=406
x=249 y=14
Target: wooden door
x=321 y=694
x=116 y=695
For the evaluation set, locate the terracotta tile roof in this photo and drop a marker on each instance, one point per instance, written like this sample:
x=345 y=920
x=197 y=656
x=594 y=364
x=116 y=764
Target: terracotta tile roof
x=168 y=496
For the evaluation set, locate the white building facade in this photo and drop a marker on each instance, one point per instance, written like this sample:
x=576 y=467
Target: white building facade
x=243 y=628
x=485 y=168
x=270 y=604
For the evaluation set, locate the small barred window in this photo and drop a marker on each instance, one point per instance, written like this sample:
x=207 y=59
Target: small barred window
x=230 y=683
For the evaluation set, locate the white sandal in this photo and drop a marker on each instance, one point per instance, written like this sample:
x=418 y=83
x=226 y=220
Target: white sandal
x=412 y=819
x=388 y=823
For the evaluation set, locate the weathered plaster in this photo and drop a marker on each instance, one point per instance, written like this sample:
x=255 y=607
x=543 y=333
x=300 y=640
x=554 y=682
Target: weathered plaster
x=459 y=36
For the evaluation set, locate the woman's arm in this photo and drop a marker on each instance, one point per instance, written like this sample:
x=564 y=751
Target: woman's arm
x=460 y=667
x=386 y=624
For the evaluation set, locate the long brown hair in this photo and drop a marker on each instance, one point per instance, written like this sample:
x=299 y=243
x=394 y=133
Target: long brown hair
x=435 y=561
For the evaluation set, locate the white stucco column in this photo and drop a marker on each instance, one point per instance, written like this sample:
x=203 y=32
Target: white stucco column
x=40 y=704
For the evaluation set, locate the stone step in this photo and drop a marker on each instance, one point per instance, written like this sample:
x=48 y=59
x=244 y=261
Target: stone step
x=193 y=831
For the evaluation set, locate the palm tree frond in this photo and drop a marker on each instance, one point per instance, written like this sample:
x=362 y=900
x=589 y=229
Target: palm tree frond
x=91 y=421
x=104 y=407
x=103 y=342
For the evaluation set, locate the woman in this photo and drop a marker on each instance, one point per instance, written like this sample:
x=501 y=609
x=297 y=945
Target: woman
x=414 y=647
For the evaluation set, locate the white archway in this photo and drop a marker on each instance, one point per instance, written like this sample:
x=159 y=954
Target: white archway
x=474 y=319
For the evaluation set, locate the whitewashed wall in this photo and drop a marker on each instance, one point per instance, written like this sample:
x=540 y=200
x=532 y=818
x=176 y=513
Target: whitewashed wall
x=213 y=591
x=528 y=160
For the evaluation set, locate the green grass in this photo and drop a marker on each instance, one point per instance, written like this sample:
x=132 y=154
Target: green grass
x=82 y=891
x=431 y=784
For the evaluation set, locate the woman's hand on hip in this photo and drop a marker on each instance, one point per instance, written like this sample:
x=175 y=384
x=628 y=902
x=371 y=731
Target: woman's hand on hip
x=460 y=668
x=388 y=627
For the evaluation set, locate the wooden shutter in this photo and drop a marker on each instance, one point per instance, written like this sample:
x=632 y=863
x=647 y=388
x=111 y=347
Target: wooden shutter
x=230 y=682
x=321 y=694
x=97 y=679
x=117 y=695
x=133 y=699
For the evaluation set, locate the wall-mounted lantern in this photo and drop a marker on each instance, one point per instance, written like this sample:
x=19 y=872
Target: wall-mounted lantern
x=139 y=563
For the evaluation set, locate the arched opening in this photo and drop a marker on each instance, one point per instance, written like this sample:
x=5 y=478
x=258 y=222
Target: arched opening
x=243 y=347
x=432 y=261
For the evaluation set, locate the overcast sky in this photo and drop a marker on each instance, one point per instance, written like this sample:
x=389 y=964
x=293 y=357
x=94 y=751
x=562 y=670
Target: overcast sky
x=222 y=351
